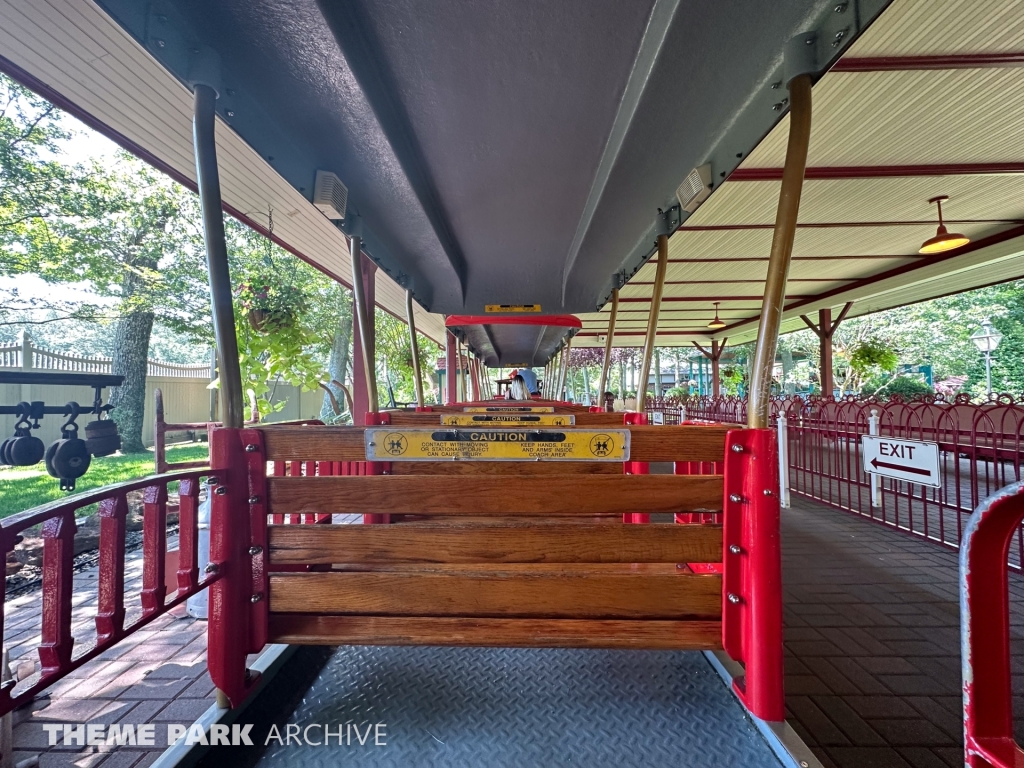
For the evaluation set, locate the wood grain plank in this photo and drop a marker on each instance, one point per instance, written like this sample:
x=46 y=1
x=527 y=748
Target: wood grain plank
x=303 y=629
x=440 y=495
x=567 y=591
x=553 y=543
x=687 y=442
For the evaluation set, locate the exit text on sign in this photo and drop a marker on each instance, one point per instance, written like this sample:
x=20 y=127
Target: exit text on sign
x=913 y=461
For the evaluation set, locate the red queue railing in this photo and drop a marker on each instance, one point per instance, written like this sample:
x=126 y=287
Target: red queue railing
x=985 y=631
x=57 y=651
x=981 y=450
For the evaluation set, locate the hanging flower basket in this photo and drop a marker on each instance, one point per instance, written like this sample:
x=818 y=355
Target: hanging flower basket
x=270 y=307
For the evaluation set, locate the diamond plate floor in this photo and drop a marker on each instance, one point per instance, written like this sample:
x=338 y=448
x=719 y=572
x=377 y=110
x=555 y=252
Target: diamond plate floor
x=499 y=707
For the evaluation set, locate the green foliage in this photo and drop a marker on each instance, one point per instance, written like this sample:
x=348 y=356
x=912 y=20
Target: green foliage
x=23 y=488
x=872 y=355
x=680 y=392
x=904 y=386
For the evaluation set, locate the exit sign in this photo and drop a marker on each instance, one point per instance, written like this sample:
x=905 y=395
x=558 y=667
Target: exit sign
x=913 y=461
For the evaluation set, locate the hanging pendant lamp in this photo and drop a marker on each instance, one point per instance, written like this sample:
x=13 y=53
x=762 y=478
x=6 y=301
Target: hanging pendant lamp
x=944 y=240
x=717 y=322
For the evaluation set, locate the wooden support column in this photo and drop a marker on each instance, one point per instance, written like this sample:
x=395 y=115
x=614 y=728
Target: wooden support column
x=450 y=369
x=364 y=366
x=825 y=329
x=714 y=355
x=608 y=346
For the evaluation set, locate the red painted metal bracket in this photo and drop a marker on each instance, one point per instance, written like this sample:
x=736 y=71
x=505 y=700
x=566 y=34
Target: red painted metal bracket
x=752 y=560
x=985 y=630
x=256 y=469
x=635 y=468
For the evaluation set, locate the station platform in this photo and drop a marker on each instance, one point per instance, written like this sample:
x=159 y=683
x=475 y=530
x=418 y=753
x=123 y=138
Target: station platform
x=872 y=670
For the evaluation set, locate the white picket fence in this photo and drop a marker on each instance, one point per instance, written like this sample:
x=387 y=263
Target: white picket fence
x=25 y=356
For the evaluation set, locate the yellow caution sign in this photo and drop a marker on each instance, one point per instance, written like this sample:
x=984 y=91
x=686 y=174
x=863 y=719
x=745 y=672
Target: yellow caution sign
x=509 y=409
x=396 y=444
x=509 y=419
x=500 y=308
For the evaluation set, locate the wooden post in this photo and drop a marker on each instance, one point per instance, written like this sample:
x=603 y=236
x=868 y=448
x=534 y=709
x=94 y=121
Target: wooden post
x=450 y=368
x=714 y=355
x=417 y=375
x=364 y=387
x=781 y=252
x=825 y=329
x=608 y=346
x=652 y=322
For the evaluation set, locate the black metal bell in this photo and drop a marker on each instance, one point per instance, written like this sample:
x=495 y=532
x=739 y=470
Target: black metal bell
x=71 y=459
x=4 y=459
x=48 y=458
x=101 y=437
x=26 y=450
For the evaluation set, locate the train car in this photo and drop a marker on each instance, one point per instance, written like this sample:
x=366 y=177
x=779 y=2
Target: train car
x=506 y=582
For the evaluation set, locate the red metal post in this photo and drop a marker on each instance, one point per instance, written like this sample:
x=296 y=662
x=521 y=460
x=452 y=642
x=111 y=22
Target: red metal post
x=58 y=561
x=985 y=626
x=360 y=395
x=154 y=548
x=232 y=595
x=256 y=468
x=752 y=584
x=451 y=369
x=188 y=552
x=110 y=610
x=377 y=468
x=635 y=468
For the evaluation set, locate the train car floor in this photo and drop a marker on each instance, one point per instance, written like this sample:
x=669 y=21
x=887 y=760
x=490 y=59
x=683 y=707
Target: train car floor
x=520 y=708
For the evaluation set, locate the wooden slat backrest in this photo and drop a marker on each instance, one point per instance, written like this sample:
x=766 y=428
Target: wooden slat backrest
x=474 y=495
x=648 y=443
x=586 y=591
x=553 y=542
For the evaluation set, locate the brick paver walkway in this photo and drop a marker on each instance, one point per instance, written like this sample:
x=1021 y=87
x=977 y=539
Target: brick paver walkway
x=873 y=642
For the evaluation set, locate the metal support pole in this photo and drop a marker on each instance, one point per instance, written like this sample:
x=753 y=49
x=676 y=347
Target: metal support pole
x=608 y=346
x=363 y=326
x=988 y=371
x=563 y=373
x=416 y=377
x=652 y=322
x=208 y=180
x=875 y=480
x=782 y=251
x=463 y=372
x=716 y=379
x=783 y=427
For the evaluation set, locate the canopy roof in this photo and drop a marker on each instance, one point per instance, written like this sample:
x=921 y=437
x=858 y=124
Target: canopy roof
x=494 y=153
x=514 y=341
x=928 y=101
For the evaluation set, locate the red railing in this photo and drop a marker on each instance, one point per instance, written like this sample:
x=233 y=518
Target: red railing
x=57 y=649
x=980 y=452
x=985 y=631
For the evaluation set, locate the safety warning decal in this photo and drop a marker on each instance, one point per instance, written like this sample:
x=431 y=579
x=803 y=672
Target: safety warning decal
x=509 y=409
x=390 y=444
x=492 y=308
x=510 y=419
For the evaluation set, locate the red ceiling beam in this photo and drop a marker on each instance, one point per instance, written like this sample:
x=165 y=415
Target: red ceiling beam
x=882 y=171
x=843 y=225
x=721 y=282
x=759 y=297
x=764 y=258
x=919 y=63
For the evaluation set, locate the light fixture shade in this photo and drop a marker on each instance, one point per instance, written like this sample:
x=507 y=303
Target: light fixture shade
x=943 y=241
x=716 y=323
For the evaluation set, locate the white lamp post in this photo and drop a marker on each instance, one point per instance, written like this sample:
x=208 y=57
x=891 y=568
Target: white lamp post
x=986 y=339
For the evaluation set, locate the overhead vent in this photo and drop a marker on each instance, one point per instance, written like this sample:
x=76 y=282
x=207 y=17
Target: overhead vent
x=330 y=195
x=695 y=189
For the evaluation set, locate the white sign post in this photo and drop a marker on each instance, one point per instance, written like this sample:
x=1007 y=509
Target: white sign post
x=658 y=417
x=912 y=461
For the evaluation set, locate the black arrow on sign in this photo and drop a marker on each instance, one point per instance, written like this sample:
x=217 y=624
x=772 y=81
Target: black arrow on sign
x=913 y=470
